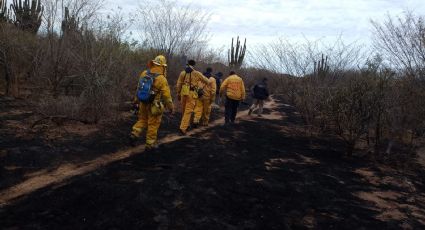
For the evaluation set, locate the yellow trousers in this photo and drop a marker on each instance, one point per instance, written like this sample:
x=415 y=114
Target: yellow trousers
x=202 y=111
x=187 y=110
x=147 y=122
x=198 y=111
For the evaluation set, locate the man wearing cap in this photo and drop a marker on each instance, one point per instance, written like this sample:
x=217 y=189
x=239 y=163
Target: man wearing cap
x=188 y=90
x=150 y=113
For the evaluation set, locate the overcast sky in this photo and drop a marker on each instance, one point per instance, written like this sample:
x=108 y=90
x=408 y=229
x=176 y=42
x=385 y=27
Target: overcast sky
x=263 y=20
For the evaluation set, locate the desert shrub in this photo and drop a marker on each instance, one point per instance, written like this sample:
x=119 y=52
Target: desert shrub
x=335 y=88
x=16 y=57
x=350 y=108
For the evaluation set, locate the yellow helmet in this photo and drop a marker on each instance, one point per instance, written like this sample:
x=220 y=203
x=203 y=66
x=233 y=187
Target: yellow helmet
x=160 y=60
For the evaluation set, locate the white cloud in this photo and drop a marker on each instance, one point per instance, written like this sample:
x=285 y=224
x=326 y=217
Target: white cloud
x=261 y=21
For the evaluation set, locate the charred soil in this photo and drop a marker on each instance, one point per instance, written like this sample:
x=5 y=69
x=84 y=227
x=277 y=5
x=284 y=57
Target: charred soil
x=261 y=173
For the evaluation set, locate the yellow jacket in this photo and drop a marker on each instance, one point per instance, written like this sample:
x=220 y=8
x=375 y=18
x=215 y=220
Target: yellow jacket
x=210 y=89
x=160 y=86
x=234 y=88
x=193 y=79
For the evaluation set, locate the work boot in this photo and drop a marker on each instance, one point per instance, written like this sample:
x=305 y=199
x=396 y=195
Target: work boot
x=150 y=148
x=182 y=132
x=132 y=140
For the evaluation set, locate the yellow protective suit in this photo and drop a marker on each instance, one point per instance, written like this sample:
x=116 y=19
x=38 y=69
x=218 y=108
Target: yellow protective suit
x=234 y=88
x=150 y=114
x=203 y=105
x=188 y=101
x=197 y=111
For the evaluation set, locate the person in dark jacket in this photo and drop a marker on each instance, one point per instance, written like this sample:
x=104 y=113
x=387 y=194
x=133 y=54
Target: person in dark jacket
x=260 y=93
x=218 y=81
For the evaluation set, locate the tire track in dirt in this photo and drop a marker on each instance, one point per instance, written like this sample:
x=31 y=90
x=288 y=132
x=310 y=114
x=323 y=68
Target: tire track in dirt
x=68 y=171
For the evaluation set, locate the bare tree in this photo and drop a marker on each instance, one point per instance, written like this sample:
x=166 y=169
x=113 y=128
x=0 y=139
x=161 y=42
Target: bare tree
x=171 y=27
x=298 y=58
x=209 y=55
x=401 y=40
x=284 y=56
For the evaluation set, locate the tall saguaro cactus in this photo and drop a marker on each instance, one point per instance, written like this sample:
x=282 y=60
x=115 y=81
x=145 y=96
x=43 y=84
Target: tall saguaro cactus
x=236 y=54
x=321 y=68
x=4 y=12
x=28 y=14
x=70 y=24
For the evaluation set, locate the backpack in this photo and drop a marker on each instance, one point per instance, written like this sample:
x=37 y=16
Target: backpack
x=145 y=92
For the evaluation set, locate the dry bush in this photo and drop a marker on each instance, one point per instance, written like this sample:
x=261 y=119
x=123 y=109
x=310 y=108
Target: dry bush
x=89 y=64
x=335 y=91
x=401 y=41
x=308 y=88
x=407 y=111
x=350 y=107
x=60 y=106
x=16 y=57
x=82 y=64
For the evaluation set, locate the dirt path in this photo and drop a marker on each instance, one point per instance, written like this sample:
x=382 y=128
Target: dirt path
x=64 y=172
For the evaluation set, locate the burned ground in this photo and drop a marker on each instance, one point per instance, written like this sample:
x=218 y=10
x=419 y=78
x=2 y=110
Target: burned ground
x=263 y=173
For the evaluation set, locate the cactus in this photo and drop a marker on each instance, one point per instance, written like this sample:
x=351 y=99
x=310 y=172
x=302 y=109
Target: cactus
x=28 y=15
x=236 y=55
x=321 y=68
x=4 y=12
x=70 y=24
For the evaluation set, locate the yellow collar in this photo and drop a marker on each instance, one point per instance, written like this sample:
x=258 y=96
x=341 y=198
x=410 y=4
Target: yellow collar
x=158 y=70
